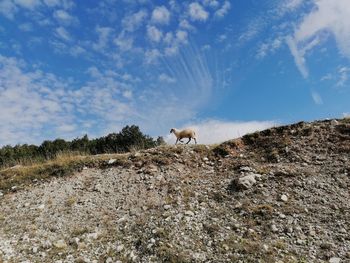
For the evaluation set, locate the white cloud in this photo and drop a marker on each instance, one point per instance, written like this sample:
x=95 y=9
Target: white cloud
x=154 y=34
x=181 y=36
x=67 y=128
x=160 y=15
x=77 y=51
x=52 y=3
x=344 y=73
x=186 y=25
x=152 y=56
x=29 y=4
x=316 y=97
x=26 y=104
x=168 y=37
x=215 y=131
x=124 y=42
x=134 y=21
x=166 y=78
x=269 y=47
x=327 y=16
x=223 y=10
x=103 y=37
x=63 y=33
x=64 y=17
x=8 y=8
x=197 y=12
x=293 y=4
x=298 y=57
x=26 y=27
x=35 y=105
x=211 y=3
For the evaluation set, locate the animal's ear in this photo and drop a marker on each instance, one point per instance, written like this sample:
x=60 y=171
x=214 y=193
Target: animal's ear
x=171 y=130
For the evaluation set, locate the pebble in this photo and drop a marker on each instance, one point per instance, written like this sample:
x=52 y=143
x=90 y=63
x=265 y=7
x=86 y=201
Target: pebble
x=334 y=260
x=111 y=161
x=167 y=207
x=247 y=181
x=60 y=244
x=119 y=248
x=274 y=228
x=284 y=198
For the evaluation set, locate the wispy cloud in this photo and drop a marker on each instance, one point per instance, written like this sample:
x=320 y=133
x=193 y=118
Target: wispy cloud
x=316 y=97
x=29 y=4
x=327 y=16
x=62 y=33
x=166 y=78
x=8 y=9
x=65 y=18
x=344 y=73
x=103 y=37
x=220 y=13
x=298 y=57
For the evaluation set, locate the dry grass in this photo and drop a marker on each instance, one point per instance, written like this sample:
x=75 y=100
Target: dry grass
x=62 y=165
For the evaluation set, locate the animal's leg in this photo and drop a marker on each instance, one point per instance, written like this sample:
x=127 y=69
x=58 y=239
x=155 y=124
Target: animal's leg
x=188 y=140
x=195 y=141
x=176 y=140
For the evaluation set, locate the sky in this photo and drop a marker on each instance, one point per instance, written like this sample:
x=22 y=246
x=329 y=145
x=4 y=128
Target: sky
x=224 y=68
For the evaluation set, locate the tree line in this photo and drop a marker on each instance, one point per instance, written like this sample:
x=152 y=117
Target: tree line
x=128 y=139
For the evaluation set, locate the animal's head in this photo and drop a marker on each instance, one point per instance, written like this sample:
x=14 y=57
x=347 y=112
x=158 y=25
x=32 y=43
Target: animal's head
x=172 y=130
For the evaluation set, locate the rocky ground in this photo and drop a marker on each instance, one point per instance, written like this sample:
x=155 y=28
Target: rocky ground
x=281 y=195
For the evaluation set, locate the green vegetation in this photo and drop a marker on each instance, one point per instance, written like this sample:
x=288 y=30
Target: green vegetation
x=128 y=139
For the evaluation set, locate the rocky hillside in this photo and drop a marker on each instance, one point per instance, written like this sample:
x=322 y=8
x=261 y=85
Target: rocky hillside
x=281 y=195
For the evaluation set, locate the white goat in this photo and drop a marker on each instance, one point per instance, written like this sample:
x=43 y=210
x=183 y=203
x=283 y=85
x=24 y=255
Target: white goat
x=186 y=133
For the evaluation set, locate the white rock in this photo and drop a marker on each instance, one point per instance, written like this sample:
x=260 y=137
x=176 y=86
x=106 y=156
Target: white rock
x=46 y=244
x=167 y=207
x=334 y=260
x=274 y=228
x=120 y=248
x=111 y=161
x=41 y=207
x=334 y=122
x=35 y=250
x=60 y=244
x=284 y=198
x=93 y=235
x=247 y=181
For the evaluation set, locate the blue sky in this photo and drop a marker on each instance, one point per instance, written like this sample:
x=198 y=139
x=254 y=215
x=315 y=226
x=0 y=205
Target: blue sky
x=69 y=68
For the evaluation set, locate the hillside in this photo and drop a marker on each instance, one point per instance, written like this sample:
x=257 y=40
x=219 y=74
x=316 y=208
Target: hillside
x=280 y=195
